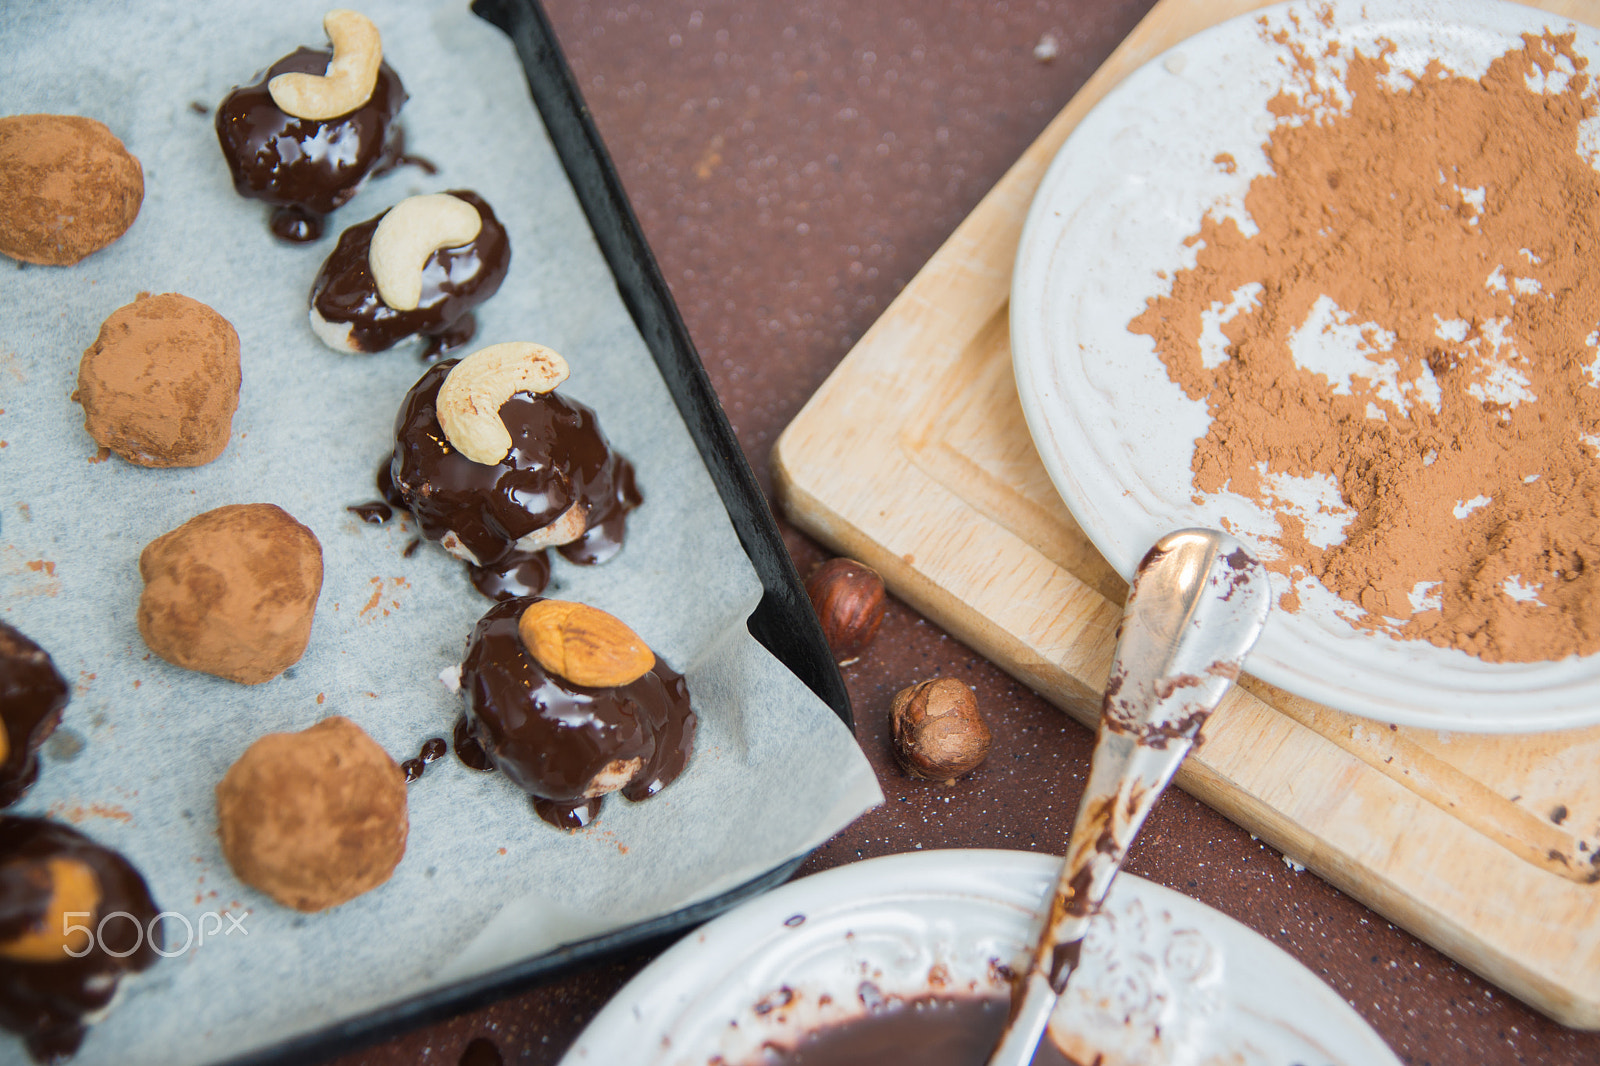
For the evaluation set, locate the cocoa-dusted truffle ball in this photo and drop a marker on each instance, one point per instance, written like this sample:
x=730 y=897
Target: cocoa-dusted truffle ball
x=67 y=188
x=314 y=818
x=231 y=592
x=161 y=382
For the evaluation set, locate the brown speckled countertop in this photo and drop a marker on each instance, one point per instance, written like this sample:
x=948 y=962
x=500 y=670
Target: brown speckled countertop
x=793 y=164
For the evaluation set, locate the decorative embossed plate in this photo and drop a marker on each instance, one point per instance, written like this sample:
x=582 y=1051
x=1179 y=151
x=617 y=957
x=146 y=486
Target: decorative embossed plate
x=1164 y=980
x=1117 y=436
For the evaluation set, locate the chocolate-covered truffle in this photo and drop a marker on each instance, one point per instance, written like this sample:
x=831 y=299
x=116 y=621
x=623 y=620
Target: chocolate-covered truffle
x=32 y=696
x=558 y=485
x=306 y=167
x=54 y=981
x=67 y=188
x=314 y=818
x=348 y=312
x=563 y=743
x=160 y=384
x=231 y=592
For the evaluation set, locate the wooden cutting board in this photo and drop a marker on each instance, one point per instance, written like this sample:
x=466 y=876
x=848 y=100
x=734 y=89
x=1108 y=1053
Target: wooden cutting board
x=914 y=458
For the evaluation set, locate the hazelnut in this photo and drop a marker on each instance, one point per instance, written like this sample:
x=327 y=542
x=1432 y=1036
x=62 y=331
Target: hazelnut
x=938 y=732
x=848 y=599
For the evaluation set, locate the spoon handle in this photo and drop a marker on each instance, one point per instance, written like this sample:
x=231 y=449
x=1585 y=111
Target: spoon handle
x=1125 y=780
x=1196 y=605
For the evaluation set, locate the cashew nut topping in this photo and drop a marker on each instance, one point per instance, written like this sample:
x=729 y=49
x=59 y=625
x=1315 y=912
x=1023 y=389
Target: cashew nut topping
x=352 y=73
x=469 y=401
x=407 y=234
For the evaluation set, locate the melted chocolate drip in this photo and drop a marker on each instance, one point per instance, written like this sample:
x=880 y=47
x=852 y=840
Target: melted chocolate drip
x=552 y=737
x=373 y=512
x=386 y=489
x=565 y=815
x=468 y=750
x=305 y=167
x=432 y=750
x=932 y=1031
x=295 y=225
x=481 y=1052
x=558 y=457
x=32 y=695
x=455 y=335
x=454 y=281
x=422 y=163
x=45 y=1002
x=528 y=577
x=411 y=547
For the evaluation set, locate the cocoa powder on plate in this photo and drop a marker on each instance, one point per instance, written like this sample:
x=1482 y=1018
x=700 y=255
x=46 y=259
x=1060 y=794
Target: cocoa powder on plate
x=1455 y=227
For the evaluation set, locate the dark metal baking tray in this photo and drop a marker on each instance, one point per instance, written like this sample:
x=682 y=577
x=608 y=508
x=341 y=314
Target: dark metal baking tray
x=783 y=622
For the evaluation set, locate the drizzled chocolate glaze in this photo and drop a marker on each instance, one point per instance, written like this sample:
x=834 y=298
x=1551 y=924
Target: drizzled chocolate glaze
x=303 y=167
x=45 y=1002
x=558 y=457
x=454 y=281
x=32 y=695
x=935 y=1031
x=552 y=737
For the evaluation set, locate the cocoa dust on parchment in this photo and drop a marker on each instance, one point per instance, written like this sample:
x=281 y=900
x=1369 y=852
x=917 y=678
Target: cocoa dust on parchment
x=1457 y=226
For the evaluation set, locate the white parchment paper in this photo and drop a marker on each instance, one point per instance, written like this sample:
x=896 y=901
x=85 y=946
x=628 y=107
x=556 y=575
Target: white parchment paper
x=484 y=882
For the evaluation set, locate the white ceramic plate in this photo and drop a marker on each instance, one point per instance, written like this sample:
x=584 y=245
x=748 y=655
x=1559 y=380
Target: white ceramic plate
x=1117 y=436
x=1164 y=980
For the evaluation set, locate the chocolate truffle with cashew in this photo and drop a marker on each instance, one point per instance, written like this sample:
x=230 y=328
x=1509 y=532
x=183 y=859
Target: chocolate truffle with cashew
x=305 y=135
x=55 y=978
x=497 y=468
x=418 y=269
x=32 y=696
x=232 y=592
x=314 y=818
x=570 y=704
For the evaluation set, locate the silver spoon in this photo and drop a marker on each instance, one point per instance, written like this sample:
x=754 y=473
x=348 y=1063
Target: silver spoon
x=1197 y=604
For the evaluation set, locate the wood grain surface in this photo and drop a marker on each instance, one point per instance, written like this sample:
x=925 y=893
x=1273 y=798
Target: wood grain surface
x=914 y=458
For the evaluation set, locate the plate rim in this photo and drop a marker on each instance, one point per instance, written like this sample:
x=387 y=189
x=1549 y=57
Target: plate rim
x=625 y=1022
x=1275 y=659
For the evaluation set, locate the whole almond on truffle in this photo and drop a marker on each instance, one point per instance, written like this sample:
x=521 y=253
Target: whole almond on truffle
x=67 y=188
x=937 y=730
x=849 y=600
x=583 y=644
